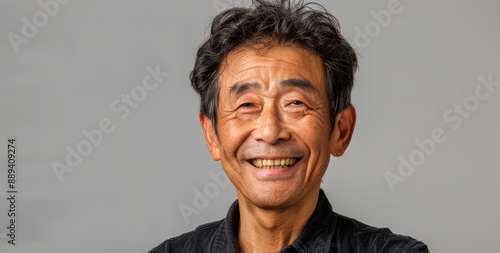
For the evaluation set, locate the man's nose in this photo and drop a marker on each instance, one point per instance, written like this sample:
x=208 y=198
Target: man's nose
x=270 y=127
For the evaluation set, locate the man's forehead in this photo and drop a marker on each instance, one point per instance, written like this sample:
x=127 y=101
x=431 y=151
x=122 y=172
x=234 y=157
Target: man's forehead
x=295 y=53
x=294 y=65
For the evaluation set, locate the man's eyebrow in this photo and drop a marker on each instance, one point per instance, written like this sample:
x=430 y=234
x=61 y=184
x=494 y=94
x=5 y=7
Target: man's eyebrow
x=299 y=83
x=238 y=88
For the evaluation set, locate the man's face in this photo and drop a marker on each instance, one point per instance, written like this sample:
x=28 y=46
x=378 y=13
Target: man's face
x=273 y=124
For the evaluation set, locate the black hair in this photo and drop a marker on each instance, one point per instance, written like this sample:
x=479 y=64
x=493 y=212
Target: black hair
x=276 y=22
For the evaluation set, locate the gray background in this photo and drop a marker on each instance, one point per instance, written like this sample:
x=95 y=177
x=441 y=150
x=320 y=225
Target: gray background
x=125 y=195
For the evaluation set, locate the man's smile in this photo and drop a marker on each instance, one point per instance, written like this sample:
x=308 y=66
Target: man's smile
x=278 y=163
x=276 y=168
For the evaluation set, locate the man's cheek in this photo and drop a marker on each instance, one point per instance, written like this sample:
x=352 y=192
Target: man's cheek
x=237 y=132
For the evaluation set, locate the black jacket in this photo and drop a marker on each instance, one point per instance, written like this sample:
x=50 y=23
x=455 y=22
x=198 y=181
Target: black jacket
x=326 y=231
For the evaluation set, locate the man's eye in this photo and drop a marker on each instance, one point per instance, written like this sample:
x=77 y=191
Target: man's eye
x=296 y=102
x=246 y=105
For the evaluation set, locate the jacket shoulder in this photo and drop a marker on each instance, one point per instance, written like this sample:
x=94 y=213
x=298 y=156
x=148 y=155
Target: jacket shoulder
x=200 y=238
x=365 y=238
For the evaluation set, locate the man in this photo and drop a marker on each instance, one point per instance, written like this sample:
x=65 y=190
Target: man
x=275 y=83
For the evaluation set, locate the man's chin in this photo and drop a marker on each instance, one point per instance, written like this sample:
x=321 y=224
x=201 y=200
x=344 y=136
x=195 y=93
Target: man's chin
x=274 y=196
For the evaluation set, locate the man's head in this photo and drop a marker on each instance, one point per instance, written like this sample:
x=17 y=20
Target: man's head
x=275 y=83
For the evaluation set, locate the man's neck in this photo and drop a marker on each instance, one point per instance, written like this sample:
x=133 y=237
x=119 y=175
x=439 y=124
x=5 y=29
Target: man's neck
x=271 y=230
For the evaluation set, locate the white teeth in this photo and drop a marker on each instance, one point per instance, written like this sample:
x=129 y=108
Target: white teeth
x=274 y=163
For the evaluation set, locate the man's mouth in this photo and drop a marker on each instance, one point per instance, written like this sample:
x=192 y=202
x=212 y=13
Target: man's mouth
x=273 y=163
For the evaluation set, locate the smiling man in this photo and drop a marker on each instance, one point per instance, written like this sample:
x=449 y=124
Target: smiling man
x=275 y=83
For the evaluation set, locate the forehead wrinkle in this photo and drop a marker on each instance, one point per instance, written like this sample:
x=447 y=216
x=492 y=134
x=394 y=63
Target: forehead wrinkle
x=238 y=68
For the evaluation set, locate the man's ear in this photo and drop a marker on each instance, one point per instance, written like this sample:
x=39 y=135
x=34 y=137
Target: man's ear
x=342 y=131
x=212 y=140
